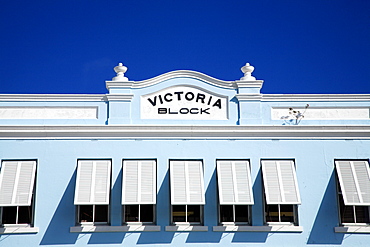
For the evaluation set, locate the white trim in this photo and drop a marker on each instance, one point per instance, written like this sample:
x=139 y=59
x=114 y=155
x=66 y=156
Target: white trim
x=120 y=97
x=186 y=228
x=18 y=229
x=352 y=229
x=248 y=97
x=52 y=97
x=185 y=132
x=172 y=75
x=227 y=84
x=316 y=97
x=274 y=228
x=128 y=228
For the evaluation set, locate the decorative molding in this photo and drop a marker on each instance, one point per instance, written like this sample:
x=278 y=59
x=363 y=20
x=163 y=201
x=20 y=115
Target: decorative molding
x=128 y=228
x=323 y=113
x=172 y=75
x=272 y=228
x=248 y=97
x=316 y=97
x=118 y=84
x=186 y=228
x=227 y=84
x=244 y=84
x=48 y=112
x=165 y=132
x=120 y=97
x=52 y=97
x=352 y=229
x=19 y=229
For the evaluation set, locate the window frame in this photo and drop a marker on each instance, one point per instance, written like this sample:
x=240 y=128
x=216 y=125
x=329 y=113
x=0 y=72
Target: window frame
x=236 y=201
x=283 y=200
x=31 y=199
x=139 y=202
x=106 y=203
x=188 y=201
x=186 y=222
x=350 y=205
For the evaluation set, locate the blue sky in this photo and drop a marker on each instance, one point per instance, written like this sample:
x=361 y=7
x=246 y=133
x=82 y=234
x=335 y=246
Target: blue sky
x=308 y=46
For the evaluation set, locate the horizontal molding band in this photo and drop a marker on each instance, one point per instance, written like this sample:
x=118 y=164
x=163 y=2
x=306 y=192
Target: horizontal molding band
x=262 y=97
x=52 y=97
x=184 y=132
x=316 y=97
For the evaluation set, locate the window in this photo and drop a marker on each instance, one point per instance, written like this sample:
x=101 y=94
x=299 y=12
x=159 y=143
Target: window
x=92 y=191
x=187 y=191
x=17 y=180
x=139 y=191
x=353 y=191
x=234 y=190
x=281 y=191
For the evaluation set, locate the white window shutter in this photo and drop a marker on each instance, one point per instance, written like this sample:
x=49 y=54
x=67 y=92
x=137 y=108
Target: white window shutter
x=187 y=184
x=92 y=182
x=17 y=180
x=234 y=182
x=139 y=182
x=280 y=182
x=178 y=182
x=354 y=181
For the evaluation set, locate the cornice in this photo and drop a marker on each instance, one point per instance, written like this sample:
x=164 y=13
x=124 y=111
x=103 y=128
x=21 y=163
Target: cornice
x=185 y=132
x=119 y=97
x=172 y=75
x=52 y=97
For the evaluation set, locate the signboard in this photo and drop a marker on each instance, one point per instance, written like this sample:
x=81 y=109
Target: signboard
x=184 y=102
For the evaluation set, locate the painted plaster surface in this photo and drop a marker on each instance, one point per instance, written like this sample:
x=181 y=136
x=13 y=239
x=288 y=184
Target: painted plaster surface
x=48 y=113
x=57 y=131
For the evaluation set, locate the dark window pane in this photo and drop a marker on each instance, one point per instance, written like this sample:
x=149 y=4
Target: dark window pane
x=147 y=213
x=178 y=213
x=9 y=215
x=287 y=213
x=272 y=213
x=347 y=214
x=194 y=213
x=226 y=213
x=131 y=213
x=24 y=215
x=362 y=214
x=241 y=213
x=86 y=213
x=101 y=213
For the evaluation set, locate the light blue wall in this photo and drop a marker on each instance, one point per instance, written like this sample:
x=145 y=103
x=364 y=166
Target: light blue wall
x=57 y=160
x=56 y=172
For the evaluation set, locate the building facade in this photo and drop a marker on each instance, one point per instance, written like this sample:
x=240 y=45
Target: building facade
x=184 y=159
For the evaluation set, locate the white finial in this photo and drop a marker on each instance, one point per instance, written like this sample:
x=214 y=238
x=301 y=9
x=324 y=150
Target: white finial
x=247 y=69
x=120 y=70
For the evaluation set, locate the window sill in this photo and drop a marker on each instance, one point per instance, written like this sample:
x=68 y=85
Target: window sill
x=186 y=228
x=272 y=228
x=126 y=228
x=353 y=229
x=18 y=229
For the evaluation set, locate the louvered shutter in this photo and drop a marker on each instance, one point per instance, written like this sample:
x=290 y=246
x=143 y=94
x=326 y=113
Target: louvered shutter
x=234 y=182
x=92 y=182
x=187 y=185
x=280 y=182
x=16 y=183
x=139 y=182
x=354 y=180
